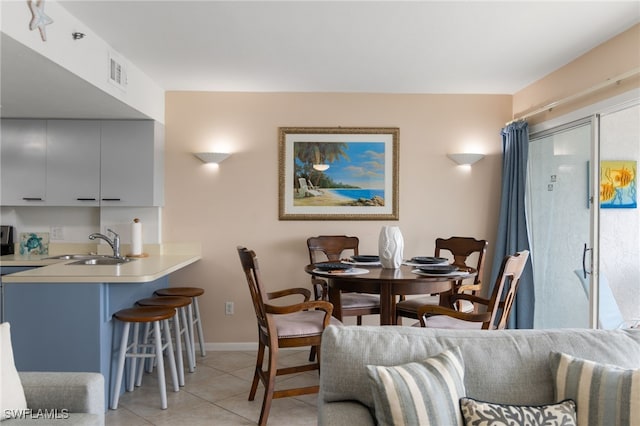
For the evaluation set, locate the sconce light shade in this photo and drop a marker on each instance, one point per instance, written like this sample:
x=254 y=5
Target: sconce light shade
x=465 y=159
x=321 y=167
x=212 y=157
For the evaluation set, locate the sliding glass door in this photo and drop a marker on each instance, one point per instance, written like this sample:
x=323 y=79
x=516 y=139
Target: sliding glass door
x=562 y=222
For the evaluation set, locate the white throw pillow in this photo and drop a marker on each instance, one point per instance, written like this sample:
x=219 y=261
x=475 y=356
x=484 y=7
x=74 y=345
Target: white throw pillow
x=12 y=399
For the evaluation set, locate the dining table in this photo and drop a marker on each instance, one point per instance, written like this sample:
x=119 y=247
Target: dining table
x=388 y=283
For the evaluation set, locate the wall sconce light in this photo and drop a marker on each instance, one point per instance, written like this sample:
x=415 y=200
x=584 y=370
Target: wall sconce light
x=321 y=167
x=212 y=157
x=465 y=159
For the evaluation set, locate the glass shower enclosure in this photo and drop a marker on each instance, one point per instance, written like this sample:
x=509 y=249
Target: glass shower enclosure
x=570 y=233
x=559 y=216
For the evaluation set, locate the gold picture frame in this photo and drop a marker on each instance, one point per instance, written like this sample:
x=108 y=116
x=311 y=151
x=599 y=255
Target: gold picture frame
x=338 y=173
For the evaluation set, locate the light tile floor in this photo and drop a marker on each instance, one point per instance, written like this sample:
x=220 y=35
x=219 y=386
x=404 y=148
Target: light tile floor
x=217 y=393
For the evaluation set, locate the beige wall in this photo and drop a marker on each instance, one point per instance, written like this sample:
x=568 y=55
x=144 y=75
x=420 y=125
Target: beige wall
x=237 y=203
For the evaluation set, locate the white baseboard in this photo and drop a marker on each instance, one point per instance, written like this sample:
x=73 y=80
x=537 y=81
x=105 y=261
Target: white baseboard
x=240 y=346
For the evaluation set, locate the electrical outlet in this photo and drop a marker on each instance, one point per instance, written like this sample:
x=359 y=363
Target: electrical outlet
x=228 y=308
x=57 y=233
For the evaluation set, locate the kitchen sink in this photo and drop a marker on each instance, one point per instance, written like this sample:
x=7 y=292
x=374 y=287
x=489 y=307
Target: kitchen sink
x=91 y=259
x=102 y=260
x=75 y=256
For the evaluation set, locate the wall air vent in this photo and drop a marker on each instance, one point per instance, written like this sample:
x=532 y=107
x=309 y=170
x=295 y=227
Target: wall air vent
x=117 y=71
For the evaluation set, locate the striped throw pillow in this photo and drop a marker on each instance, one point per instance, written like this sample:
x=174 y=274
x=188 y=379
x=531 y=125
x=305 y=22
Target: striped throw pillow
x=604 y=394
x=419 y=393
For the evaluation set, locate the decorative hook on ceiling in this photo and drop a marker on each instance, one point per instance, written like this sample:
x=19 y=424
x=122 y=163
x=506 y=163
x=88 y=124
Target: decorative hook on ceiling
x=39 y=19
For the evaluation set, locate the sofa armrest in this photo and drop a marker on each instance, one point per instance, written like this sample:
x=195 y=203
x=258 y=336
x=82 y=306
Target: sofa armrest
x=75 y=392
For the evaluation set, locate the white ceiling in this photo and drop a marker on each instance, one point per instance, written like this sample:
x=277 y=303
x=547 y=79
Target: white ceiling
x=357 y=46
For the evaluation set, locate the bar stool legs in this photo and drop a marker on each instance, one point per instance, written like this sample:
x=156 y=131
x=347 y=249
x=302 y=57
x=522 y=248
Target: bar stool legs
x=153 y=315
x=198 y=321
x=193 y=312
x=180 y=304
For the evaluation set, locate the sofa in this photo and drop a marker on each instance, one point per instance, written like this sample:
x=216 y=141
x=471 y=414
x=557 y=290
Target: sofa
x=502 y=366
x=47 y=398
x=62 y=398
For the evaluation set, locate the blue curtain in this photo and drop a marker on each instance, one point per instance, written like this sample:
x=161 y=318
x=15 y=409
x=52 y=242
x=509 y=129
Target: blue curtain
x=512 y=226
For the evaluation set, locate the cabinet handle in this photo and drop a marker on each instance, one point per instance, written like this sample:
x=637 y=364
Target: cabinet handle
x=32 y=199
x=85 y=199
x=111 y=199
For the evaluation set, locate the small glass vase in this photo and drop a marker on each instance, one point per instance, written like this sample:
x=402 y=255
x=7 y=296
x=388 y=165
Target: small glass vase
x=390 y=247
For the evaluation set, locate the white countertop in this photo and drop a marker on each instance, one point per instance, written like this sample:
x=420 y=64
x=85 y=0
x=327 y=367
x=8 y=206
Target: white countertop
x=139 y=270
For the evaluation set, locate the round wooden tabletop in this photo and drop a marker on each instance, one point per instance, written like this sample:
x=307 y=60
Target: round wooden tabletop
x=388 y=283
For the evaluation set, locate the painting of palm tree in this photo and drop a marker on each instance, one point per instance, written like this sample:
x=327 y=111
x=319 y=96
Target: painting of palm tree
x=338 y=171
x=346 y=173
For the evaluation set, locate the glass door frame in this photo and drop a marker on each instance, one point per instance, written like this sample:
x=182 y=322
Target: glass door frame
x=594 y=111
x=594 y=201
x=592 y=247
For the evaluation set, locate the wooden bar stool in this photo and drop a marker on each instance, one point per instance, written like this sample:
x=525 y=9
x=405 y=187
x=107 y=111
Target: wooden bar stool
x=194 y=314
x=180 y=304
x=153 y=315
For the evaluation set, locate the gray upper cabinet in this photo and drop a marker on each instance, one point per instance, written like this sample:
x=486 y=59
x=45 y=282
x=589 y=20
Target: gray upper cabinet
x=73 y=163
x=131 y=163
x=82 y=163
x=23 y=160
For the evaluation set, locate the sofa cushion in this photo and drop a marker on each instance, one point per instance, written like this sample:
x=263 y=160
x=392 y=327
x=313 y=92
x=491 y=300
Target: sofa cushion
x=476 y=412
x=12 y=399
x=424 y=393
x=604 y=394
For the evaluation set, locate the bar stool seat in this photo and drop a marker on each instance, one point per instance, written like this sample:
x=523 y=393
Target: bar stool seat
x=193 y=313
x=144 y=315
x=180 y=330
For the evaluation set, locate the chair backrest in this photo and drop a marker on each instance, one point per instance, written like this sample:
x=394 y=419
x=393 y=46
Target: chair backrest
x=249 y=262
x=462 y=248
x=331 y=246
x=303 y=183
x=504 y=291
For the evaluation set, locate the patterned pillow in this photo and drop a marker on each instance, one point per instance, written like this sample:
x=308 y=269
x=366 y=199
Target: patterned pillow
x=476 y=412
x=419 y=393
x=604 y=394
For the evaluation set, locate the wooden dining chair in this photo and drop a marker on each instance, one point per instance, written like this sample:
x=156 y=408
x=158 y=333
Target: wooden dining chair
x=289 y=326
x=334 y=248
x=498 y=306
x=461 y=249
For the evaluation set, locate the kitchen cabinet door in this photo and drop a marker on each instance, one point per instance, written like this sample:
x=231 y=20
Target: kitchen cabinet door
x=23 y=169
x=131 y=163
x=73 y=163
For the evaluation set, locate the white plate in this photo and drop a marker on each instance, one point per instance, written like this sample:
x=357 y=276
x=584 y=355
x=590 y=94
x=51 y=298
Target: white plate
x=449 y=274
x=353 y=262
x=410 y=263
x=352 y=271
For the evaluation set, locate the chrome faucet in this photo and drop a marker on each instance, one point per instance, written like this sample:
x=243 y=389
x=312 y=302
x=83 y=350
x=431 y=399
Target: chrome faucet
x=115 y=243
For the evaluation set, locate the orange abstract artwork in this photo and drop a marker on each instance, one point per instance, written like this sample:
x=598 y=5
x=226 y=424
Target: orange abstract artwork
x=618 y=184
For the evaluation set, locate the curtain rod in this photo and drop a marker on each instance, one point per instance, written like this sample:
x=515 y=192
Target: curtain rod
x=595 y=88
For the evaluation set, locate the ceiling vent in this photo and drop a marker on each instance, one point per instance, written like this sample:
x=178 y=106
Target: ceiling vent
x=117 y=72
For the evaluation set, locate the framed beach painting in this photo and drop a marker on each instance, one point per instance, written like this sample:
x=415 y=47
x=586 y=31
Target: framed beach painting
x=343 y=173
x=618 y=184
